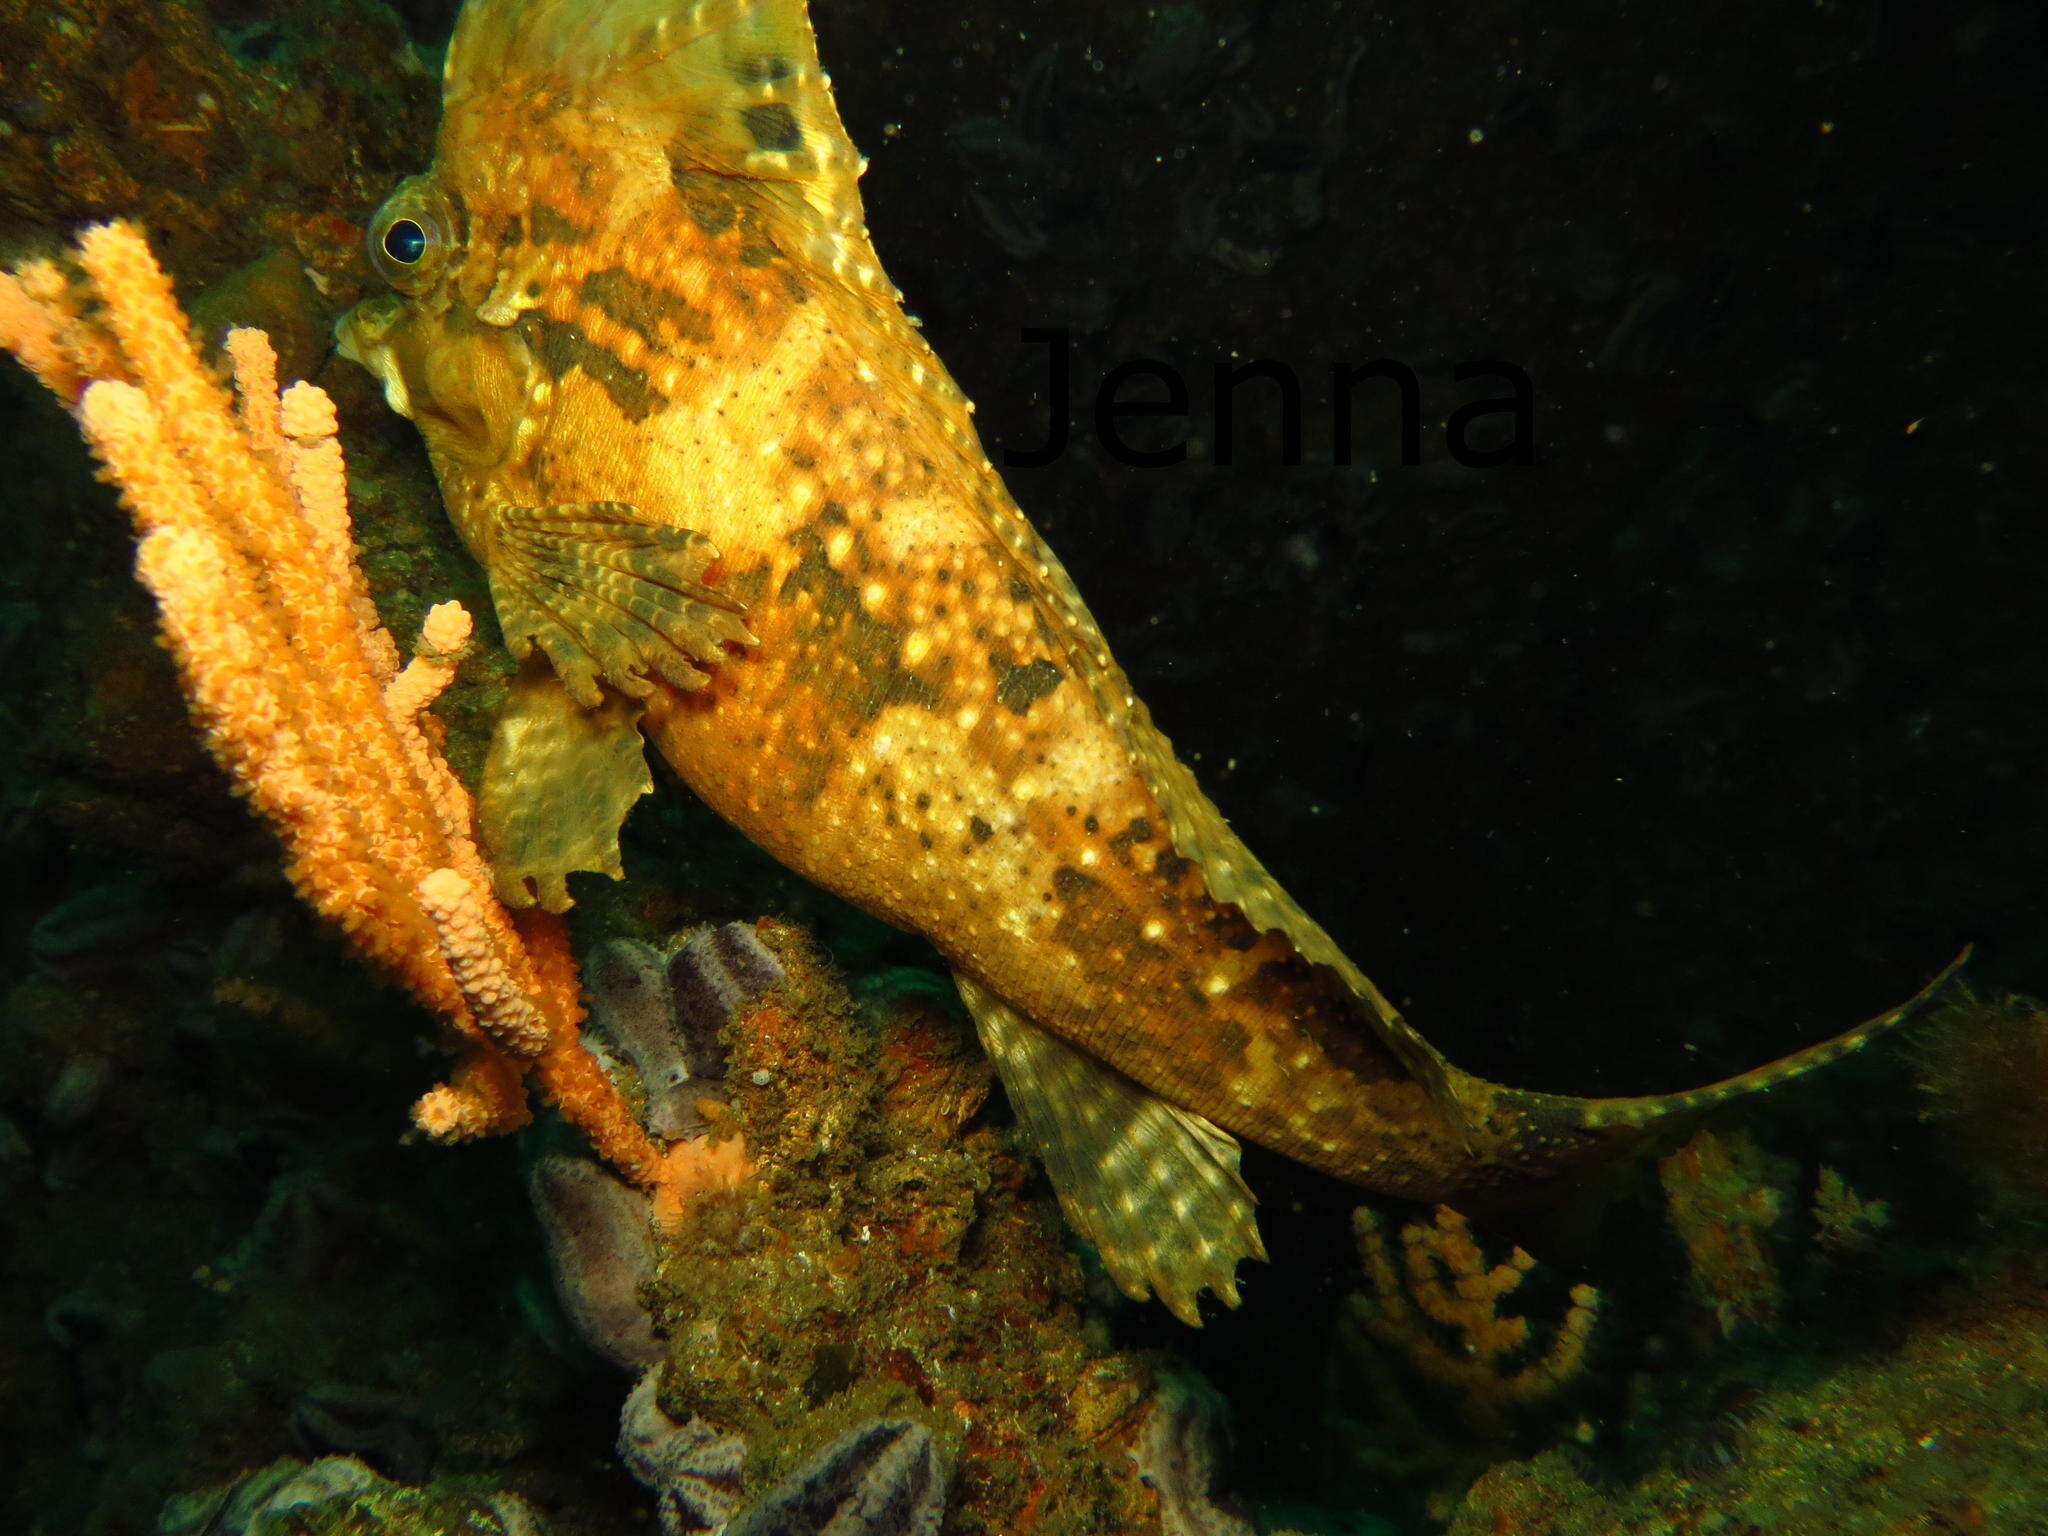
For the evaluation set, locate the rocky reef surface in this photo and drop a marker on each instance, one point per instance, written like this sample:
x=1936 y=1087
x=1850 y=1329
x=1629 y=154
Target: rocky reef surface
x=861 y=1248
x=1939 y=1429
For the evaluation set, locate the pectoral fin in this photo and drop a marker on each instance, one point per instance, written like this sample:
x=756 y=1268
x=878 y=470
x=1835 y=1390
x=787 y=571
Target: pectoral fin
x=609 y=598
x=558 y=782
x=1154 y=1187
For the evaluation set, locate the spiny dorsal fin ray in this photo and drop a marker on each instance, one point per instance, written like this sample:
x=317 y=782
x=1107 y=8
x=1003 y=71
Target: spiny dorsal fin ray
x=1154 y=1187
x=726 y=87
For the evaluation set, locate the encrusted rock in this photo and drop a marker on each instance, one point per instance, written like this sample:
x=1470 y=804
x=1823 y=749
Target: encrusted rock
x=888 y=1258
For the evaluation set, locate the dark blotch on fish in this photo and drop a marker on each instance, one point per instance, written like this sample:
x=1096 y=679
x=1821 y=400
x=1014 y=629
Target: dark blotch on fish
x=773 y=126
x=1070 y=882
x=762 y=69
x=708 y=203
x=561 y=345
x=1018 y=688
x=642 y=308
x=549 y=227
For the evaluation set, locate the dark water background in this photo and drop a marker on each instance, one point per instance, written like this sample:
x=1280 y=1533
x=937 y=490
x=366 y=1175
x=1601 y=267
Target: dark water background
x=1714 y=729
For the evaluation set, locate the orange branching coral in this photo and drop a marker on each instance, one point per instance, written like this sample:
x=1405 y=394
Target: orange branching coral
x=1438 y=1308
x=242 y=508
x=33 y=330
x=1723 y=1202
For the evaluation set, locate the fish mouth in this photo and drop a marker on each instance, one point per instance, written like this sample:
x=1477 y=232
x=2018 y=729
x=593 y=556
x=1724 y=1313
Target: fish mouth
x=363 y=336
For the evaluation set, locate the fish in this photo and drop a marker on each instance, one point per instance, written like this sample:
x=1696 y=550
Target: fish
x=732 y=507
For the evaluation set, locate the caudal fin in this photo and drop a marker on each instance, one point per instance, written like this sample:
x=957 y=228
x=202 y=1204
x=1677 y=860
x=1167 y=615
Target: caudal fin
x=1603 y=1114
x=1537 y=1135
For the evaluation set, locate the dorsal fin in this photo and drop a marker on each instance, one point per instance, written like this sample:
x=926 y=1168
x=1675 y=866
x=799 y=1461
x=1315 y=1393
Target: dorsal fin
x=726 y=87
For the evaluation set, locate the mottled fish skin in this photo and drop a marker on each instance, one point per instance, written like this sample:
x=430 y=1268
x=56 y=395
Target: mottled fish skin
x=665 y=299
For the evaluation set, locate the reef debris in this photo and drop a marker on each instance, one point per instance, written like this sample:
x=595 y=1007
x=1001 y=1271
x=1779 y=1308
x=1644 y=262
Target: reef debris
x=1984 y=1070
x=1843 y=1221
x=339 y=1493
x=1725 y=1196
x=1942 y=1433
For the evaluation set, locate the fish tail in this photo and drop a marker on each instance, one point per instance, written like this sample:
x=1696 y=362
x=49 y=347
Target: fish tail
x=1602 y=1114
x=1534 y=1136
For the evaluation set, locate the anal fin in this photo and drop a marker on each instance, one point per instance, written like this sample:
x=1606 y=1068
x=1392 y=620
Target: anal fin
x=1154 y=1187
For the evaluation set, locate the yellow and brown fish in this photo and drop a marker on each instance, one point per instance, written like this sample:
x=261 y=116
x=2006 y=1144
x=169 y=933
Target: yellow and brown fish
x=732 y=505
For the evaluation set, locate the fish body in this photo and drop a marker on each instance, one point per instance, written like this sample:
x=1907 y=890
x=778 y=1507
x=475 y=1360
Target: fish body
x=732 y=505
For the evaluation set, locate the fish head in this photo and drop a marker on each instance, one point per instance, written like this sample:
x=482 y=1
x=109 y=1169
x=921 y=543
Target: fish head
x=441 y=367
x=464 y=252
x=621 y=191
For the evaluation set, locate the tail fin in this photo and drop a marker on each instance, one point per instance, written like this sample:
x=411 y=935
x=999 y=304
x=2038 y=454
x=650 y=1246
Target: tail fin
x=1488 y=1101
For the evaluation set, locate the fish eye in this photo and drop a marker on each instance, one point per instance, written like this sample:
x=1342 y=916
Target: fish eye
x=405 y=241
x=411 y=236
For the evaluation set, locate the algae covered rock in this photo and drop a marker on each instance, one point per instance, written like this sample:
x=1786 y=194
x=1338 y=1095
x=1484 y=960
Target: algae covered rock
x=890 y=1257
x=1945 y=1433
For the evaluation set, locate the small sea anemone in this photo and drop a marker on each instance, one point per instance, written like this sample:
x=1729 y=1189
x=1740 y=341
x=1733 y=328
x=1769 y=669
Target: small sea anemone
x=1984 y=1068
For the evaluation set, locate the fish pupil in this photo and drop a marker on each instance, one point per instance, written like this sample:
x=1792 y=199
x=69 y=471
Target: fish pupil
x=405 y=241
